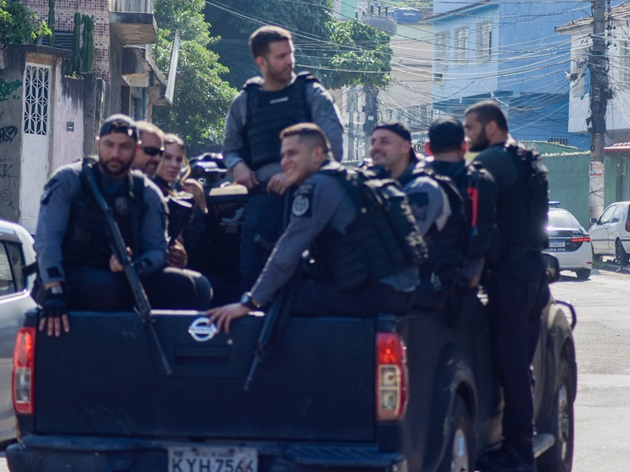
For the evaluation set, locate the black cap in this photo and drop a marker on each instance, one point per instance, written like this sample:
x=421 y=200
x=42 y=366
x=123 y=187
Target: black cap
x=399 y=128
x=119 y=123
x=446 y=134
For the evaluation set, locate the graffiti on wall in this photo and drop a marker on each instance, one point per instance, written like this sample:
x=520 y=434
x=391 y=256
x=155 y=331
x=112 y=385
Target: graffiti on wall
x=8 y=89
x=7 y=134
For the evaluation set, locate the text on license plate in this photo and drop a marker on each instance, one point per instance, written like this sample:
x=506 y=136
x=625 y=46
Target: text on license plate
x=212 y=459
x=556 y=243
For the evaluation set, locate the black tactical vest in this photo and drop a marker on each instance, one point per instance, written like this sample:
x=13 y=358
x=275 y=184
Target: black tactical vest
x=268 y=113
x=86 y=242
x=522 y=210
x=448 y=246
x=382 y=240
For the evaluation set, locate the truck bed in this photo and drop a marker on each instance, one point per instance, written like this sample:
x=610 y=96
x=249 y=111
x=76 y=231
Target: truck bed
x=123 y=389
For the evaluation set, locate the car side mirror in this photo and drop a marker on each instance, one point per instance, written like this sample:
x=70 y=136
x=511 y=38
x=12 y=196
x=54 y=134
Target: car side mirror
x=594 y=220
x=552 y=268
x=615 y=220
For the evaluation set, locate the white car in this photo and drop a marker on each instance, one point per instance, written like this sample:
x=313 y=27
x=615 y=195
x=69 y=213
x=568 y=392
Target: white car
x=569 y=243
x=611 y=233
x=16 y=253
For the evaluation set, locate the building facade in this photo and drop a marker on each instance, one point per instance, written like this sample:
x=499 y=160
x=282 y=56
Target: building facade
x=509 y=52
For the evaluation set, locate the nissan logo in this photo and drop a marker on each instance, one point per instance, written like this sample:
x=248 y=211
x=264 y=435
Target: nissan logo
x=201 y=330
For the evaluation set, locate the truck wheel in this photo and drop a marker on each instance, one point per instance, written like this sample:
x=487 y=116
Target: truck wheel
x=460 y=451
x=560 y=457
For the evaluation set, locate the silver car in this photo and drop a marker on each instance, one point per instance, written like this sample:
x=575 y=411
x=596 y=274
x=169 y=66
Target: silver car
x=16 y=253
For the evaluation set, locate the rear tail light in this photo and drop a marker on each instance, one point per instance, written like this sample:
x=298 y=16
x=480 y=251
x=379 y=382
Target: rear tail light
x=628 y=226
x=23 y=371
x=581 y=239
x=391 y=377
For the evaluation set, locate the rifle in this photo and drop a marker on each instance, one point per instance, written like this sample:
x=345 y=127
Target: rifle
x=275 y=318
x=277 y=315
x=117 y=243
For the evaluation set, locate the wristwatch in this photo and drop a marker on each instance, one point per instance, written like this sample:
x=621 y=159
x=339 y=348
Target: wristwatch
x=248 y=301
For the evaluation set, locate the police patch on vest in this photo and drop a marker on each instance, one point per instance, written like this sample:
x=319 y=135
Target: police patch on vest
x=302 y=201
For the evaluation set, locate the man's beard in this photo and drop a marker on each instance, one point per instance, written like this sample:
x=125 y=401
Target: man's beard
x=481 y=143
x=122 y=170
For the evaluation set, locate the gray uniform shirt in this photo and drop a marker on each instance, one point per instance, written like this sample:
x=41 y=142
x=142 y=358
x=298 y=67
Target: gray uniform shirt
x=64 y=188
x=320 y=200
x=429 y=203
x=324 y=113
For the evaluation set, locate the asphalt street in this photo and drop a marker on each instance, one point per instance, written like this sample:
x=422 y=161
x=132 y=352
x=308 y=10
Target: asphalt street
x=602 y=335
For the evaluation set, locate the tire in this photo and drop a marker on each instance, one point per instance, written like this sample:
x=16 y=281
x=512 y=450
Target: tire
x=460 y=448
x=559 y=458
x=621 y=256
x=583 y=274
x=596 y=257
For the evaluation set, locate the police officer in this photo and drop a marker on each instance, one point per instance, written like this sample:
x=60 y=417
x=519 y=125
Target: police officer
x=251 y=149
x=76 y=263
x=322 y=212
x=517 y=290
x=437 y=206
x=447 y=144
x=150 y=149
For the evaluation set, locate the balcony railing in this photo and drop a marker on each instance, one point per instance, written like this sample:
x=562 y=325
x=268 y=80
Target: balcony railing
x=131 y=6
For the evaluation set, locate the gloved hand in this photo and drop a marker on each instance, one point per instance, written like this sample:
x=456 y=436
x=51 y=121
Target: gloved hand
x=55 y=311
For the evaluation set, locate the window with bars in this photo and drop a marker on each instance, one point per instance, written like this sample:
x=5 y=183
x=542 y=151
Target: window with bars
x=441 y=46
x=461 y=44
x=484 y=41
x=36 y=99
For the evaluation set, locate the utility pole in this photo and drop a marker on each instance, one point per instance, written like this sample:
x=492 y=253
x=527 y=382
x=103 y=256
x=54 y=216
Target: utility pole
x=598 y=66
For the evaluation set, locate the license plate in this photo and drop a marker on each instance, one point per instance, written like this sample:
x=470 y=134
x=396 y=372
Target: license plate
x=212 y=459
x=556 y=243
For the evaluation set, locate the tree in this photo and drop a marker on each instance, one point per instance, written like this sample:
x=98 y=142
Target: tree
x=17 y=24
x=202 y=98
x=235 y=20
x=362 y=56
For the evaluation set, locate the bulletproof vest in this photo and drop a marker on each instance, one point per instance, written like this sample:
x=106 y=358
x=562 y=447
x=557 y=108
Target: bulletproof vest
x=477 y=188
x=268 y=113
x=522 y=210
x=381 y=240
x=86 y=242
x=448 y=246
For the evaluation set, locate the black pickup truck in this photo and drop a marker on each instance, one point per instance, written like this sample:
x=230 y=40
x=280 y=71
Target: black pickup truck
x=165 y=392
x=389 y=393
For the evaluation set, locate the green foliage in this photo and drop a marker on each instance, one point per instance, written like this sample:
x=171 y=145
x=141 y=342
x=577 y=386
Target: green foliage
x=309 y=21
x=363 y=56
x=17 y=24
x=202 y=97
x=82 y=51
x=51 y=22
x=338 y=53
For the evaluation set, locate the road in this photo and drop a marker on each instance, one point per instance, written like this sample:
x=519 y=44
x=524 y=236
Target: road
x=602 y=341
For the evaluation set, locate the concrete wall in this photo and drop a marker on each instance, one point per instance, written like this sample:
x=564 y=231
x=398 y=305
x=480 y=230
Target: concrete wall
x=12 y=87
x=67 y=120
x=568 y=182
x=66 y=106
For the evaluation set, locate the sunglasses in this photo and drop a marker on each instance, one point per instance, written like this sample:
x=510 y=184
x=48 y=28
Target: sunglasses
x=152 y=151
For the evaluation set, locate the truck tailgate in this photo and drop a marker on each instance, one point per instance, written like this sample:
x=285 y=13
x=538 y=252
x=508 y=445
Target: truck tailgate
x=105 y=378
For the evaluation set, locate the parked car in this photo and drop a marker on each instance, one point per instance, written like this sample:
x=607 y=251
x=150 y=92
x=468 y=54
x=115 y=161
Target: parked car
x=611 y=233
x=569 y=243
x=16 y=253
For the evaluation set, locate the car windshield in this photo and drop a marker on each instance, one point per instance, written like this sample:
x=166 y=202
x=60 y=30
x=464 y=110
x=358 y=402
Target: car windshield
x=561 y=219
